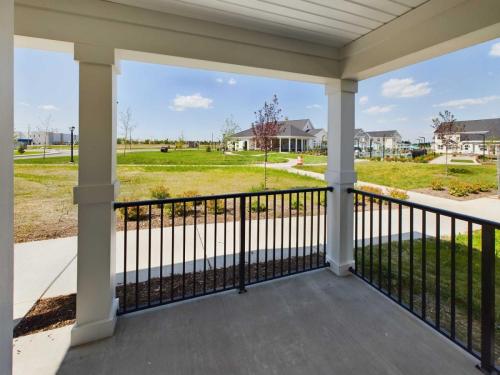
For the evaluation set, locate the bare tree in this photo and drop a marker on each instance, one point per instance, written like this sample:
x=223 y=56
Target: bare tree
x=266 y=128
x=44 y=129
x=446 y=130
x=127 y=126
x=229 y=129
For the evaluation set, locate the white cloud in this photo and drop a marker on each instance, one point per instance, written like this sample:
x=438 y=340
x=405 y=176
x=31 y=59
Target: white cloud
x=183 y=102
x=495 y=50
x=23 y=104
x=404 y=88
x=375 y=110
x=363 y=100
x=48 y=107
x=219 y=80
x=231 y=81
x=313 y=106
x=462 y=103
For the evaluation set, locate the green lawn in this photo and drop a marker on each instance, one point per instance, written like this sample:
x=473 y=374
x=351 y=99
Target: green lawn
x=187 y=157
x=410 y=176
x=445 y=279
x=43 y=193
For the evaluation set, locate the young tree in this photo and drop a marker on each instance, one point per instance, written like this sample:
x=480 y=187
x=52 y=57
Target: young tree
x=229 y=129
x=266 y=128
x=44 y=129
x=127 y=126
x=446 y=129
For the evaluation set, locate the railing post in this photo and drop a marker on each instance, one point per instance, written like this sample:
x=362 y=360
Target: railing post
x=242 y=244
x=488 y=299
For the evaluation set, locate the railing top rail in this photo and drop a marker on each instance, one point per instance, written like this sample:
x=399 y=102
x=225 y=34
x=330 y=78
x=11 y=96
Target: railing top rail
x=423 y=207
x=148 y=202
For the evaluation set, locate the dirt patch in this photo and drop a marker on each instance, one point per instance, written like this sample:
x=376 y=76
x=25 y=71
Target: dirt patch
x=445 y=194
x=48 y=313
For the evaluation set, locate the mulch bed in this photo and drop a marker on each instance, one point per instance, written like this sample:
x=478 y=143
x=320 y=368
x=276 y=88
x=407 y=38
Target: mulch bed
x=48 y=313
x=445 y=194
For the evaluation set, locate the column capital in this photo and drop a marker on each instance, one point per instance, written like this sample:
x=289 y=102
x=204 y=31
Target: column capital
x=93 y=54
x=341 y=85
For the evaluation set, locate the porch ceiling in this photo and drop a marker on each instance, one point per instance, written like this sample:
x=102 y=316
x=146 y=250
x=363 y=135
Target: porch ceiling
x=331 y=22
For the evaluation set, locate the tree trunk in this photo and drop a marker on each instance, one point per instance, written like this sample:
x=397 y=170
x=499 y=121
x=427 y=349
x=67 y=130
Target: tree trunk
x=265 y=170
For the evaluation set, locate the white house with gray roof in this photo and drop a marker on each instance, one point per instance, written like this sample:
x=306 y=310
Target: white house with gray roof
x=470 y=137
x=293 y=136
x=377 y=140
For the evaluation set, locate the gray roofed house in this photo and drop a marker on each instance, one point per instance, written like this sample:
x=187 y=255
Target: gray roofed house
x=471 y=137
x=294 y=135
x=378 y=139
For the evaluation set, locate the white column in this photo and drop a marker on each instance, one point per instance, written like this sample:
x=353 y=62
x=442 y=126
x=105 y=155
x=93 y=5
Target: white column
x=97 y=188
x=6 y=183
x=289 y=145
x=340 y=174
x=279 y=139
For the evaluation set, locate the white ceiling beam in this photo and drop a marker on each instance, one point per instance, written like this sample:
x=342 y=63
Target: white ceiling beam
x=433 y=29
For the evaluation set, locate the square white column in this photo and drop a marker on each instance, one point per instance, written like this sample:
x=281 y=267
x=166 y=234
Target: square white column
x=6 y=183
x=340 y=174
x=97 y=188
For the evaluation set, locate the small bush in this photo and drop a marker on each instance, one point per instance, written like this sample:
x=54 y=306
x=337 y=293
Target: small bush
x=398 y=194
x=190 y=205
x=367 y=189
x=212 y=208
x=160 y=192
x=437 y=185
x=21 y=149
x=208 y=149
x=134 y=213
x=258 y=207
x=484 y=188
x=458 y=190
x=258 y=188
x=297 y=204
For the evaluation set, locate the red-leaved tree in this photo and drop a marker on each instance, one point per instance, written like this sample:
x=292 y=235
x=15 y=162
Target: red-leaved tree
x=266 y=128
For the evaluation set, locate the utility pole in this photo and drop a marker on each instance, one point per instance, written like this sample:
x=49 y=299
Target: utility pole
x=383 y=148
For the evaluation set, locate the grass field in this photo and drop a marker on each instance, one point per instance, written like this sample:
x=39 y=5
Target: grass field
x=410 y=176
x=43 y=193
x=445 y=279
x=187 y=157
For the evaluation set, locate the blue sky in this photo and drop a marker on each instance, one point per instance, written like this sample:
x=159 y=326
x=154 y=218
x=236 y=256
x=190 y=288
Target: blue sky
x=166 y=101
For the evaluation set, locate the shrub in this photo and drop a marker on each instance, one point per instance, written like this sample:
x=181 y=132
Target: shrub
x=258 y=188
x=437 y=185
x=484 y=188
x=368 y=189
x=398 y=194
x=133 y=213
x=211 y=206
x=208 y=149
x=21 y=149
x=458 y=190
x=260 y=207
x=190 y=205
x=297 y=204
x=160 y=192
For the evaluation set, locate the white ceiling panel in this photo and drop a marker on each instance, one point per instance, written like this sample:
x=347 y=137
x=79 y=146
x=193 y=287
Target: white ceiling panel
x=330 y=22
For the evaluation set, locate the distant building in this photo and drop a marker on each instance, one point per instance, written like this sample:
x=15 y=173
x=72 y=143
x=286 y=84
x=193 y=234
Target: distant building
x=377 y=140
x=470 y=137
x=293 y=136
x=52 y=138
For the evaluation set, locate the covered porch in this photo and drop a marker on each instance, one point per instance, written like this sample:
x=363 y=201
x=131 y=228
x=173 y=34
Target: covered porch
x=320 y=322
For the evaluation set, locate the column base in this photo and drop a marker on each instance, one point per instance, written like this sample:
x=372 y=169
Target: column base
x=340 y=269
x=82 y=334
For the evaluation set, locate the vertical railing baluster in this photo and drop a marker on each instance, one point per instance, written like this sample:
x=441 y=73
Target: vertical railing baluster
x=290 y=232
x=424 y=265
x=225 y=250
x=137 y=227
x=195 y=208
x=469 y=285
x=282 y=229
x=149 y=255
x=297 y=236
x=125 y=232
x=304 y=233
x=453 y=278
x=411 y=258
x=371 y=239
x=205 y=246
x=241 y=265
x=274 y=234
x=258 y=238
x=161 y=253
x=363 y=234
x=318 y=228
x=488 y=298
x=249 y=238
x=324 y=227
x=400 y=253
x=356 y=233
x=214 y=273
x=389 y=248
x=380 y=259
x=267 y=236
x=312 y=231
x=183 y=249
x=234 y=241
x=437 y=291
x=172 y=254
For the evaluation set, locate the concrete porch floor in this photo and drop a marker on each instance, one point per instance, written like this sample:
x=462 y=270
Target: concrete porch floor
x=313 y=323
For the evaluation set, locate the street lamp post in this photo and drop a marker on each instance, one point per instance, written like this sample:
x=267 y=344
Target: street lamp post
x=72 y=129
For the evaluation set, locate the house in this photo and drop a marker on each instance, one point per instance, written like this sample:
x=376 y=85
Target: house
x=377 y=140
x=293 y=136
x=469 y=137
x=327 y=321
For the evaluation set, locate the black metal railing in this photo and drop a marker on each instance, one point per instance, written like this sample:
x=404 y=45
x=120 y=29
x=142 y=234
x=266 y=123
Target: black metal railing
x=437 y=264
x=181 y=248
